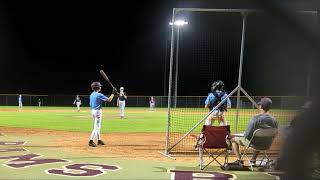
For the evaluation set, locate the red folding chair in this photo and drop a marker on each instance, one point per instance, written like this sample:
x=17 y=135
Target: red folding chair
x=215 y=141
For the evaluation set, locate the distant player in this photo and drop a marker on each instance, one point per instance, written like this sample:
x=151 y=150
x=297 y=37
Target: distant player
x=77 y=102
x=216 y=95
x=152 y=103
x=20 y=102
x=121 y=102
x=96 y=102
x=39 y=102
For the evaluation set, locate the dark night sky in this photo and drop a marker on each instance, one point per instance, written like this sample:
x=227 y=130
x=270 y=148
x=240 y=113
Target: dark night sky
x=59 y=48
x=53 y=47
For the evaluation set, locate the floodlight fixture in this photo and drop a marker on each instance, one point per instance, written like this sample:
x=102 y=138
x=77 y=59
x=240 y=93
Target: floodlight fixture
x=179 y=23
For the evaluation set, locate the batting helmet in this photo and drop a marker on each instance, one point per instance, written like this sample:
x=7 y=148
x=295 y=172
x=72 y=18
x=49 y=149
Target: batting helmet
x=95 y=85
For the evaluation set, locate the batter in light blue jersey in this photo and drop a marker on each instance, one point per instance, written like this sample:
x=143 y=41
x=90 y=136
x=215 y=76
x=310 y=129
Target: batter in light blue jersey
x=96 y=102
x=217 y=95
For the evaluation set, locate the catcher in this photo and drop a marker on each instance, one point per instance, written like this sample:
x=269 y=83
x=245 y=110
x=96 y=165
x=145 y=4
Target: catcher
x=96 y=102
x=216 y=95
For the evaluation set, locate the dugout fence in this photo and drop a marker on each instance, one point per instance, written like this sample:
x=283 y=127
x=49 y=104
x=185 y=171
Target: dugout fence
x=243 y=48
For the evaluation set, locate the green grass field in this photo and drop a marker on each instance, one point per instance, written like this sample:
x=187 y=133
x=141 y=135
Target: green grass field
x=68 y=119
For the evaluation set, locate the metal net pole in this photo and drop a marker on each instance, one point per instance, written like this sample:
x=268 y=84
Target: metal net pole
x=170 y=82
x=240 y=68
x=177 y=68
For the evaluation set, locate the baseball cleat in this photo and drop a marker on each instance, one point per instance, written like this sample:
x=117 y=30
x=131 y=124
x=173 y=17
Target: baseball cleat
x=100 y=142
x=92 y=144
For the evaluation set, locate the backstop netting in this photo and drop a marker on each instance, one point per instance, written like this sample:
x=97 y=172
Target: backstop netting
x=207 y=49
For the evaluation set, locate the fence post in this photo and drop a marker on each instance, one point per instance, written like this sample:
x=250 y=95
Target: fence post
x=137 y=102
x=186 y=102
x=252 y=104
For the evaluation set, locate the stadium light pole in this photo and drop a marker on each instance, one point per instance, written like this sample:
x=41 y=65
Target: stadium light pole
x=178 y=23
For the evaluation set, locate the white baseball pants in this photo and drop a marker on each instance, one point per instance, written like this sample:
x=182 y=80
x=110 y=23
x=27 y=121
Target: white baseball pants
x=122 y=105
x=20 y=105
x=97 y=117
x=78 y=105
x=216 y=114
x=152 y=106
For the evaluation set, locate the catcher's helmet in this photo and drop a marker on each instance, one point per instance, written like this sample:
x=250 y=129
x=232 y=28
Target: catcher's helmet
x=218 y=85
x=95 y=85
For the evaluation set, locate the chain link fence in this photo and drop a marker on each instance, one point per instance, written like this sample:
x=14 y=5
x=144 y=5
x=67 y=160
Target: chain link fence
x=279 y=102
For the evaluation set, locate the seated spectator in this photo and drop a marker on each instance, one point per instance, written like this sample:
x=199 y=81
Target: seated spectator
x=263 y=120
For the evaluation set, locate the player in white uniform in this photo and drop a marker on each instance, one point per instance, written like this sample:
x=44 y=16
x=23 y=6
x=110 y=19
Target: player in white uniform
x=152 y=103
x=121 y=102
x=96 y=102
x=39 y=102
x=20 y=102
x=77 y=102
x=217 y=95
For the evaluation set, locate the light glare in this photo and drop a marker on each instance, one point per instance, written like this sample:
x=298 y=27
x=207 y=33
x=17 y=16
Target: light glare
x=179 y=23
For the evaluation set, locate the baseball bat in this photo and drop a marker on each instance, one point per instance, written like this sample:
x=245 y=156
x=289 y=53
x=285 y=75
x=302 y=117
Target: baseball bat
x=106 y=77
